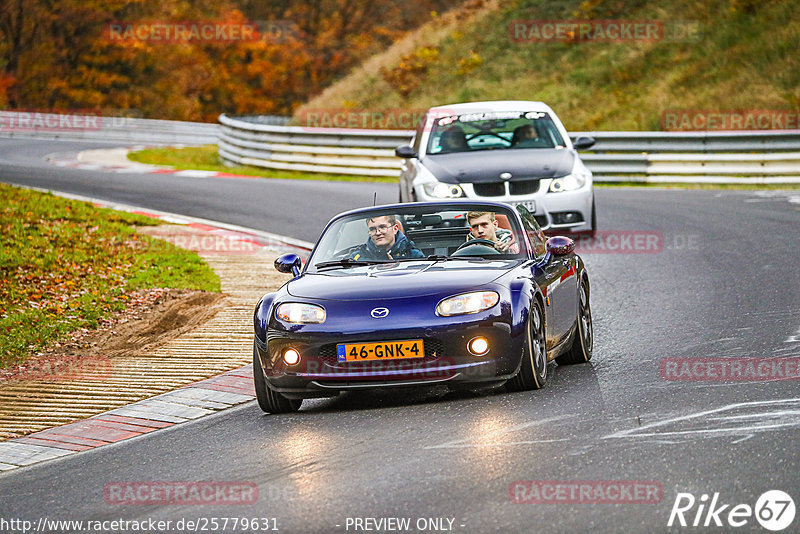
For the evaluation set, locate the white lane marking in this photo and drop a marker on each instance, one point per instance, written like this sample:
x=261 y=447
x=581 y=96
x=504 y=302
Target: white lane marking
x=494 y=444
x=196 y=174
x=762 y=416
x=482 y=441
x=795 y=338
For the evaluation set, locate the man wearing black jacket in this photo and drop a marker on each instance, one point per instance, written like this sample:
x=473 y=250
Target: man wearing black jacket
x=386 y=242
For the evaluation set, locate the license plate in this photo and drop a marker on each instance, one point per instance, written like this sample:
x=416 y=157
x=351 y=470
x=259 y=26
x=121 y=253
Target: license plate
x=529 y=205
x=383 y=350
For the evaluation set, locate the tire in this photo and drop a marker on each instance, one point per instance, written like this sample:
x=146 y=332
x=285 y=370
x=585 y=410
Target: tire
x=582 y=344
x=593 y=231
x=268 y=400
x=533 y=370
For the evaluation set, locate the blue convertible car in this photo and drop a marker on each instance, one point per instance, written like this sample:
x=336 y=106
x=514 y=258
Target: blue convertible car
x=467 y=294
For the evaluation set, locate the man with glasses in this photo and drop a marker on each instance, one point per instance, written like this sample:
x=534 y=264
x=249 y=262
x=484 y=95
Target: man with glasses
x=386 y=241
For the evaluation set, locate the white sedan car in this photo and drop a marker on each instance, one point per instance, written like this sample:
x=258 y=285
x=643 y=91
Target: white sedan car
x=516 y=152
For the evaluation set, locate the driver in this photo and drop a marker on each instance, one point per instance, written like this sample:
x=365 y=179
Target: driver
x=483 y=225
x=386 y=242
x=454 y=140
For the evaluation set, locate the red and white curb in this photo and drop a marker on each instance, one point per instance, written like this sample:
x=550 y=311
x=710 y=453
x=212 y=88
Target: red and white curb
x=162 y=411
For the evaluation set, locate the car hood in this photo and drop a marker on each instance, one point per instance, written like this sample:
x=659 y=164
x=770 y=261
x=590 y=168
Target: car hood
x=398 y=279
x=487 y=165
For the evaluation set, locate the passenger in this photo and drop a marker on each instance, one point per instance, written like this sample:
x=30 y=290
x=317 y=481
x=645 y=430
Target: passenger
x=386 y=242
x=483 y=225
x=454 y=140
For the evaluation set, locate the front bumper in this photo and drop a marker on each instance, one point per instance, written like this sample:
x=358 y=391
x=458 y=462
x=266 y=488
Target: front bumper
x=446 y=358
x=550 y=208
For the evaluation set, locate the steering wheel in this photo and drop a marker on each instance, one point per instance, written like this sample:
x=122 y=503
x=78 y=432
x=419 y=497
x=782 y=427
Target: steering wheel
x=483 y=243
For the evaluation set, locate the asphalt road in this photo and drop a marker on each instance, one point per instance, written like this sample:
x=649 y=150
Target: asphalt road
x=724 y=284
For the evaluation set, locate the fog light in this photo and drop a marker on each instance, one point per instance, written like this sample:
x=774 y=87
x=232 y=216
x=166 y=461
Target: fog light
x=291 y=356
x=566 y=217
x=478 y=346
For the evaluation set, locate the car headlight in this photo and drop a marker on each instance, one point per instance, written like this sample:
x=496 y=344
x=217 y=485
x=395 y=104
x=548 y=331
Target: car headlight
x=569 y=182
x=465 y=303
x=441 y=190
x=295 y=312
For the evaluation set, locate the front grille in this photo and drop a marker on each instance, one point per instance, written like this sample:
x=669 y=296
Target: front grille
x=541 y=220
x=490 y=189
x=498 y=189
x=434 y=349
x=523 y=187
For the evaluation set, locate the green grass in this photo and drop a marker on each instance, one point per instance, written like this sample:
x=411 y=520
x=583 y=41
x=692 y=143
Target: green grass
x=66 y=264
x=205 y=158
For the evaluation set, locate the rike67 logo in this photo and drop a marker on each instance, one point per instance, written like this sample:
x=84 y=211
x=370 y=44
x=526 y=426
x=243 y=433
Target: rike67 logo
x=774 y=510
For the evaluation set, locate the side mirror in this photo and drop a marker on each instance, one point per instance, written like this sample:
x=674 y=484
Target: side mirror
x=405 y=151
x=560 y=246
x=582 y=143
x=289 y=263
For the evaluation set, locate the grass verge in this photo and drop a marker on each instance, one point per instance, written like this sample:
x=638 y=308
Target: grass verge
x=65 y=264
x=205 y=158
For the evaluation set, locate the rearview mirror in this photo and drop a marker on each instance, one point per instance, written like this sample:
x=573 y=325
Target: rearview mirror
x=289 y=263
x=405 y=151
x=582 y=143
x=560 y=246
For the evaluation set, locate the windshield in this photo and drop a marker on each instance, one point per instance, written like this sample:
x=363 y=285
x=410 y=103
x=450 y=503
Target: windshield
x=419 y=233
x=493 y=130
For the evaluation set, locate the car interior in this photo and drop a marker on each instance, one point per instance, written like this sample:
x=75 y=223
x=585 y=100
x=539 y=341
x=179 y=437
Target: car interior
x=432 y=233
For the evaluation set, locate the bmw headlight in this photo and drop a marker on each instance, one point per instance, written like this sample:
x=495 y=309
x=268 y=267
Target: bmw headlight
x=465 y=303
x=441 y=190
x=569 y=182
x=296 y=312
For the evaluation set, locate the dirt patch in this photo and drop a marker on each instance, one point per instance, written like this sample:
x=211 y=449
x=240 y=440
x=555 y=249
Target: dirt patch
x=155 y=317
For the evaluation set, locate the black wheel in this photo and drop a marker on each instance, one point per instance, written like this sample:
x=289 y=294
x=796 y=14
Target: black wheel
x=533 y=371
x=593 y=232
x=581 y=350
x=268 y=400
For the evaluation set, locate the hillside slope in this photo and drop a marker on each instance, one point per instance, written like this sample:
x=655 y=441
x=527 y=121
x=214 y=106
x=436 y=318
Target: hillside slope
x=708 y=56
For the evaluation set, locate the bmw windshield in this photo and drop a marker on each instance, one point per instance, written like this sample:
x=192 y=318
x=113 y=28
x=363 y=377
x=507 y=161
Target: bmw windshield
x=493 y=130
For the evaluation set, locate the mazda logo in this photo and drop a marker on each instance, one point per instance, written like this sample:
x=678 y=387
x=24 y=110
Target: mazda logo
x=379 y=313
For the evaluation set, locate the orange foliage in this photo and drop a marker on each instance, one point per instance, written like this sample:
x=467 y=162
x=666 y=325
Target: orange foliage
x=103 y=54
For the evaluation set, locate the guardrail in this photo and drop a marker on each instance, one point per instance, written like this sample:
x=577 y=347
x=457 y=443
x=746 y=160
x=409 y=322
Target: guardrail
x=724 y=157
x=96 y=127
